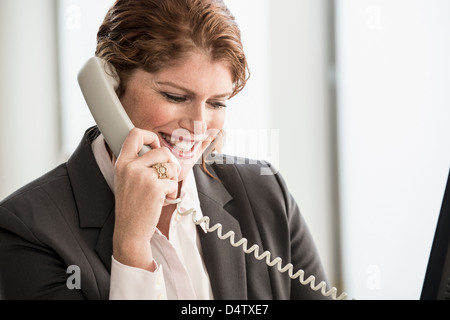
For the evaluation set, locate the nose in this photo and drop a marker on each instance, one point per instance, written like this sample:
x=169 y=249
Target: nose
x=194 y=120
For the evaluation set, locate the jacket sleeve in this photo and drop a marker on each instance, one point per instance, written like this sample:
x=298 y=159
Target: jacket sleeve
x=28 y=269
x=304 y=254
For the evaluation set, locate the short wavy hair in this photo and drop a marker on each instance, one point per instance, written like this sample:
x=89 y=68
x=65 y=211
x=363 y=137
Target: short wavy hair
x=154 y=34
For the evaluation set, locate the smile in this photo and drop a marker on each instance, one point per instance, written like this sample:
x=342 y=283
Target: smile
x=181 y=147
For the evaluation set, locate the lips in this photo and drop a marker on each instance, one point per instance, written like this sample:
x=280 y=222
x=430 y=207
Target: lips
x=182 y=147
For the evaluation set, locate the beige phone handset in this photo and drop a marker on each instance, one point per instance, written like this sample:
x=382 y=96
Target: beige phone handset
x=98 y=82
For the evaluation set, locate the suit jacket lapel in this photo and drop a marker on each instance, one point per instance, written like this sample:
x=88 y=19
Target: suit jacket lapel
x=225 y=264
x=94 y=198
x=104 y=245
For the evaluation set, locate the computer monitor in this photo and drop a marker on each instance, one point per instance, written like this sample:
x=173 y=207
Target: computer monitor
x=437 y=278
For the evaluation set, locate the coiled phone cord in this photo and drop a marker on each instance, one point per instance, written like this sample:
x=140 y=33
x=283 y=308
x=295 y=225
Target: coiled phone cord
x=300 y=274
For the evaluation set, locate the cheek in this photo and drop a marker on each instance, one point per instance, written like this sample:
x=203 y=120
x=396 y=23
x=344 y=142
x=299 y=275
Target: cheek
x=131 y=102
x=216 y=123
x=150 y=119
x=145 y=112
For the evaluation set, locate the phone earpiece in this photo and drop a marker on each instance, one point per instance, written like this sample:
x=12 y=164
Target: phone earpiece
x=99 y=81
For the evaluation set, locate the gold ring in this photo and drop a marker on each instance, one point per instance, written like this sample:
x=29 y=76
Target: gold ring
x=161 y=170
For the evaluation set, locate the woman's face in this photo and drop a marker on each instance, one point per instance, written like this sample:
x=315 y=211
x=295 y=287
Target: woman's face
x=184 y=105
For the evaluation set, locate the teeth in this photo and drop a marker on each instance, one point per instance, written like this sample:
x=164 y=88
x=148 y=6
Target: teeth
x=182 y=146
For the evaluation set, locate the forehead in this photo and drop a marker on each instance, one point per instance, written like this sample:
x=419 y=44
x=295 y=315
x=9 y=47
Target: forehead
x=197 y=72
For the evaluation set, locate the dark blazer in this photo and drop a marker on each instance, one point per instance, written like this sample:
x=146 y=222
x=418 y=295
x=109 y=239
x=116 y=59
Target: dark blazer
x=66 y=218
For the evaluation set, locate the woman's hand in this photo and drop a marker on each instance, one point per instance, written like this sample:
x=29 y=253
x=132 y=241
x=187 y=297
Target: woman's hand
x=140 y=196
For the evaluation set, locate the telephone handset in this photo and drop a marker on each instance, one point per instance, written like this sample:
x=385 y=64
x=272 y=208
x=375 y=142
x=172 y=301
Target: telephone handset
x=99 y=81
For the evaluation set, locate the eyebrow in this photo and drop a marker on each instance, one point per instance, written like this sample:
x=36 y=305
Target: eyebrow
x=190 y=92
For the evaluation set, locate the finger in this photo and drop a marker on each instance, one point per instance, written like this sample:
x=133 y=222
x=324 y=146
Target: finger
x=136 y=140
x=170 y=188
x=171 y=196
x=174 y=160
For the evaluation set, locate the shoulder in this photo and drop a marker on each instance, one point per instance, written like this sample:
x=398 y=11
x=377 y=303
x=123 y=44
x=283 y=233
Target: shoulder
x=50 y=201
x=35 y=204
x=250 y=171
x=261 y=182
x=49 y=180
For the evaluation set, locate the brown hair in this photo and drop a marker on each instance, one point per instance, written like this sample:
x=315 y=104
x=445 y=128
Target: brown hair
x=153 y=34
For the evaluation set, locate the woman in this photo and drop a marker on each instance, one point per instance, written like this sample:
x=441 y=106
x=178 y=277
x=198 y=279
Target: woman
x=178 y=61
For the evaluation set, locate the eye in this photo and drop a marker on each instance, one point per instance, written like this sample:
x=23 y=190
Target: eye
x=217 y=105
x=174 y=98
